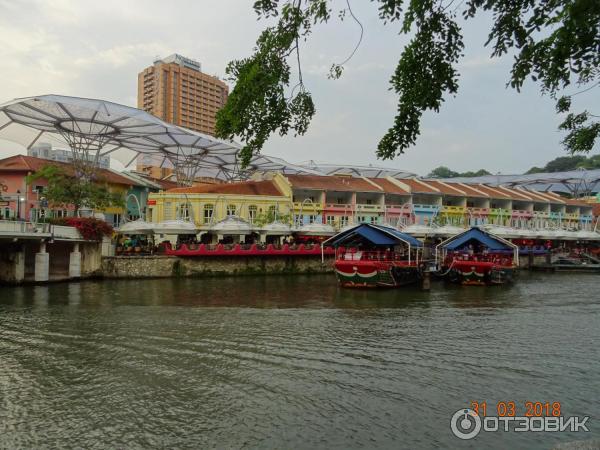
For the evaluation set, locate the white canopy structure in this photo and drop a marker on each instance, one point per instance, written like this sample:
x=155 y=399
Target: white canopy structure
x=94 y=128
x=228 y=166
x=578 y=182
x=369 y=171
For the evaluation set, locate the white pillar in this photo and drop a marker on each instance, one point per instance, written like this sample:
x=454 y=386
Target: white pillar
x=42 y=264
x=75 y=262
x=20 y=265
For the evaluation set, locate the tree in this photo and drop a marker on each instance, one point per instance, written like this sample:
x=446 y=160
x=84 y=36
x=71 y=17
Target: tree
x=564 y=163
x=64 y=190
x=444 y=172
x=554 y=43
x=535 y=170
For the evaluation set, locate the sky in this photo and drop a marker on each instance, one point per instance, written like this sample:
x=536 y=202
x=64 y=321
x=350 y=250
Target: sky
x=95 y=49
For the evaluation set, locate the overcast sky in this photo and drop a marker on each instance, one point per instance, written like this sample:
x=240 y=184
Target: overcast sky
x=96 y=48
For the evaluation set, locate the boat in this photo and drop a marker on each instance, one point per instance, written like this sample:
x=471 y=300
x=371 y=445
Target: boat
x=375 y=256
x=477 y=257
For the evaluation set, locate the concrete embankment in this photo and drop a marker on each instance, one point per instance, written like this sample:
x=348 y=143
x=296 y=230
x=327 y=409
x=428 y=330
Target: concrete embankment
x=173 y=266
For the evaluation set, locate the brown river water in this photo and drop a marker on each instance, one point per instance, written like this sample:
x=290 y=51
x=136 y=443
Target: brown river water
x=291 y=362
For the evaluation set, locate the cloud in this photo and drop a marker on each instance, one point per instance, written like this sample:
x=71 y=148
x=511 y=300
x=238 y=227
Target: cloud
x=97 y=48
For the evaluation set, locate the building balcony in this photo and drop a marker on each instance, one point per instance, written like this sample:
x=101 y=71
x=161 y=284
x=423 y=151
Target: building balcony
x=446 y=209
x=541 y=214
x=571 y=216
x=478 y=211
x=429 y=209
x=308 y=207
x=399 y=209
x=585 y=218
x=339 y=207
x=500 y=212
x=363 y=208
x=522 y=213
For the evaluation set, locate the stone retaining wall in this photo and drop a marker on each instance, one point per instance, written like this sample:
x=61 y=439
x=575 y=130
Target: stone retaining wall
x=173 y=266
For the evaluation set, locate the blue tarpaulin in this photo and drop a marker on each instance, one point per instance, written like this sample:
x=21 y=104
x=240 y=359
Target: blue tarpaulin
x=375 y=234
x=475 y=234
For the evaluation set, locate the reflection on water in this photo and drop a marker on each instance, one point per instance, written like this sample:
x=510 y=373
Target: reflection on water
x=289 y=362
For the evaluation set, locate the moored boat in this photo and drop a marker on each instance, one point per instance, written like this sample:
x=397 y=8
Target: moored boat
x=371 y=256
x=476 y=257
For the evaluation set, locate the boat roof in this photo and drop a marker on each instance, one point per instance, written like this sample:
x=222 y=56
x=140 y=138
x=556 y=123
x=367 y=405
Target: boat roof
x=476 y=234
x=375 y=234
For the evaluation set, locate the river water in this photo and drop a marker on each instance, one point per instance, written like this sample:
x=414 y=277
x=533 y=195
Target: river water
x=291 y=362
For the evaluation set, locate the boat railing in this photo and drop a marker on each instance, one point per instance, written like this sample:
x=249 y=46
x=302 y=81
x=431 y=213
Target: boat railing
x=496 y=258
x=258 y=249
x=360 y=255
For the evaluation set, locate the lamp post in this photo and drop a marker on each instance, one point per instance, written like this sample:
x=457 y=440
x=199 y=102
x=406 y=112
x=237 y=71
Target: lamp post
x=19 y=201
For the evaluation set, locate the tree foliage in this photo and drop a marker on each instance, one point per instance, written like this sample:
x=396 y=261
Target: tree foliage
x=554 y=43
x=444 y=172
x=564 y=163
x=64 y=190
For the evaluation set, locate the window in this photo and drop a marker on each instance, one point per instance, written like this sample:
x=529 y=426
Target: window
x=343 y=221
x=208 y=212
x=312 y=219
x=361 y=219
x=168 y=211
x=340 y=200
x=330 y=220
x=231 y=210
x=184 y=211
x=272 y=212
x=252 y=213
x=369 y=201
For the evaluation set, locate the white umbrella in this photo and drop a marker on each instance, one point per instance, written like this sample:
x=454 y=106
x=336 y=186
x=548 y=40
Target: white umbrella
x=136 y=227
x=316 y=229
x=277 y=229
x=174 y=227
x=232 y=225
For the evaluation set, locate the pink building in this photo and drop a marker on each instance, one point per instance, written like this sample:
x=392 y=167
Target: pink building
x=22 y=201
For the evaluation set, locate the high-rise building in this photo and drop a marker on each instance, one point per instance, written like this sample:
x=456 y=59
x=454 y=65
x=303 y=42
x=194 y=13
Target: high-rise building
x=45 y=150
x=175 y=90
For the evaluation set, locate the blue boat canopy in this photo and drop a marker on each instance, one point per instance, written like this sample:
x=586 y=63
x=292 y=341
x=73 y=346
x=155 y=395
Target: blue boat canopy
x=378 y=235
x=476 y=235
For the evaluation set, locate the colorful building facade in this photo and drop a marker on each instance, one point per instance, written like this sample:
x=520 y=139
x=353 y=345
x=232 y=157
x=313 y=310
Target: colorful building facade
x=344 y=200
x=25 y=201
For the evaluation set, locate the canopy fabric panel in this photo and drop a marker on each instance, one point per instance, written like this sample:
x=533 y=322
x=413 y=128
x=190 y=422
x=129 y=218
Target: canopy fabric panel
x=375 y=234
x=402 y=236
x=475 y=234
